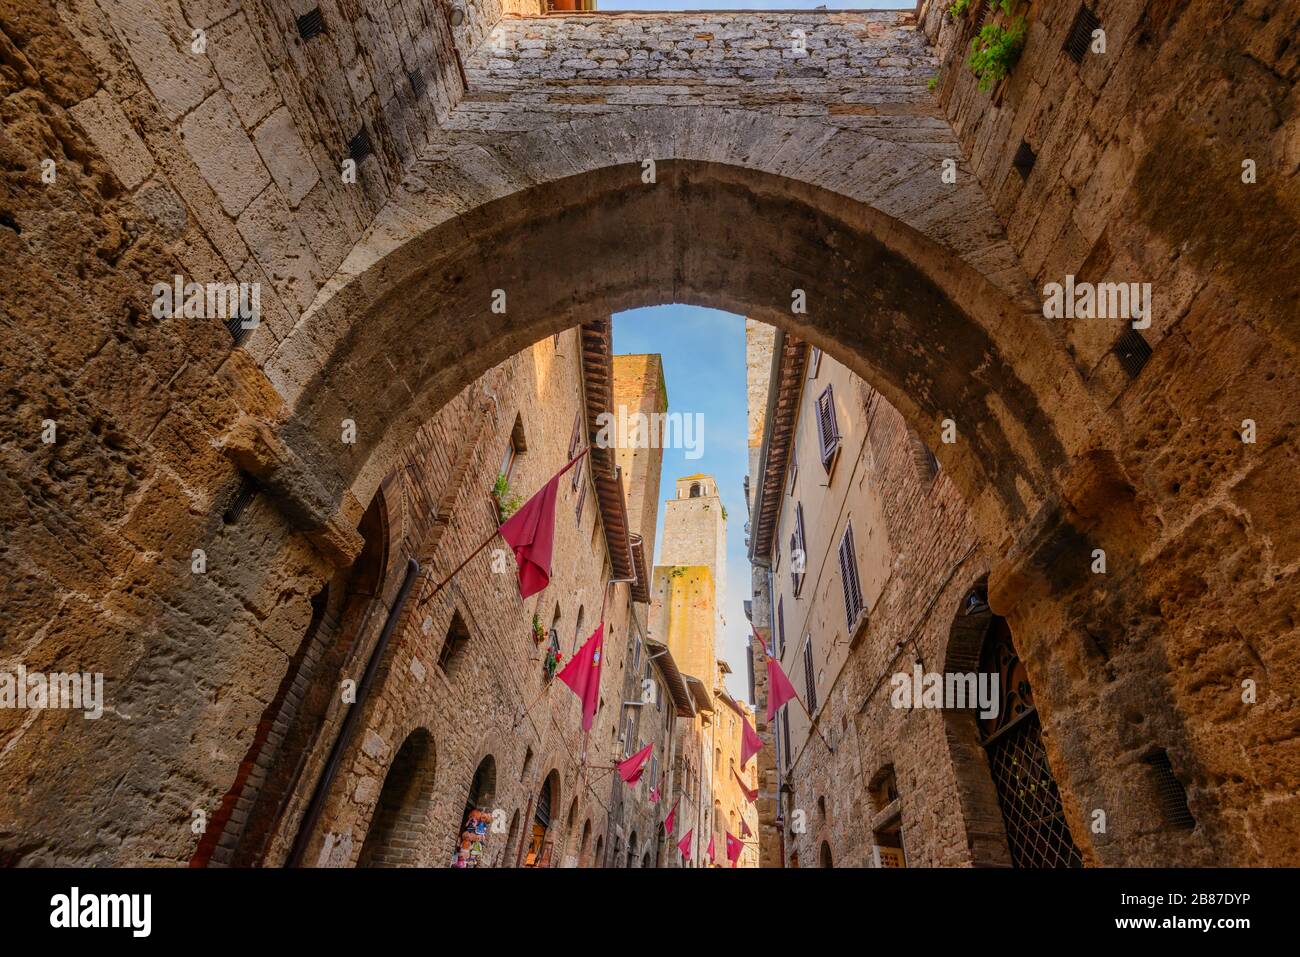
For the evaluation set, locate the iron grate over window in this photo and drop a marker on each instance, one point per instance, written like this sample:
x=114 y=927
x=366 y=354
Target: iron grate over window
x=1170 y=793
x=359 y=146
x=1133 y=351
x=1080 y=35
x=239 y=504
x=311 y=24
x=1024 y=159
x=418 y=85
x=238 y=332
x=1037 y=834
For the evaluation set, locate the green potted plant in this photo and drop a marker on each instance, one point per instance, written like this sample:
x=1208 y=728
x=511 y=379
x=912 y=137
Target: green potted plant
x=539 y=633
x=506 y=499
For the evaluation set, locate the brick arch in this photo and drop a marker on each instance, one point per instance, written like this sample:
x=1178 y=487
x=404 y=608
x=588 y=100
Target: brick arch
x=400 y=819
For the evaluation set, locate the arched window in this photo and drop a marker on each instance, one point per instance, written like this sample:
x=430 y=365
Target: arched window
x=696 y=490
x=453 y=646
x=824 y=858
x=578 y=636
x=584 y=847
x=1037 y=833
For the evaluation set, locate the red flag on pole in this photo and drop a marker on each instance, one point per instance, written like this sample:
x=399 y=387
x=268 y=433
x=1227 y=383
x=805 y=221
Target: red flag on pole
x=779 y=689
x=752 y=796
x=734 y=847
x=684 y=845
x=744 y=829
x=712 y=859
x=631 y=769
x=668 y=821
x=582 y=674
x=531 y=533
x=654 y=791
x=750 y=742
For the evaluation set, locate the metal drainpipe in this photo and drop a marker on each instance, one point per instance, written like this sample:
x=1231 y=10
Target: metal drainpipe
x=323 y=784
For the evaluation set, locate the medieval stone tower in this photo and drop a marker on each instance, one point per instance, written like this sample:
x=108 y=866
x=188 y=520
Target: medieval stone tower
x=690 y=579
x=695 y=528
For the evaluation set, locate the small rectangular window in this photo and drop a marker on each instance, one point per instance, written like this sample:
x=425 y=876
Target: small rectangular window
x=1078 y=40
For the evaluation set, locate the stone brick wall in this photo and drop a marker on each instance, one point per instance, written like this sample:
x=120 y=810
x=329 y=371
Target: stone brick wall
x=1137 y=176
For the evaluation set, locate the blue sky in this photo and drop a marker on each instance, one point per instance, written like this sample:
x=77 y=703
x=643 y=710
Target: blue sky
x=704 y=364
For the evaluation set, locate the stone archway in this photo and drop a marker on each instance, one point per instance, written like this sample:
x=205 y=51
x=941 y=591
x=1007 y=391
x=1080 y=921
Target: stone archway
x=1198 y=528
x=403 y=805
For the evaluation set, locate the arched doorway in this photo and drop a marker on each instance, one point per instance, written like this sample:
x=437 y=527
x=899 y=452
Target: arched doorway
x=631 y=850
x=584 y=847
x=1037 y=833
x=472 y=837
x=541 y=841
x=599 y=860
x=824 y=857
x=512 y=841
x=403 y=805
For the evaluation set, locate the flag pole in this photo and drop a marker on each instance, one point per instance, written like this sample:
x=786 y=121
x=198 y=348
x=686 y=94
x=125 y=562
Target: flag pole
x=459 y=568
x=488 y=541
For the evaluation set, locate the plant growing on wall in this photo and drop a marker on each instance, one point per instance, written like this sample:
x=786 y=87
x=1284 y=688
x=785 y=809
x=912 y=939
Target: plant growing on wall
x=959 y=8
x=552 y=662
x=539 y=633
x=507 y=499
x=995 y=50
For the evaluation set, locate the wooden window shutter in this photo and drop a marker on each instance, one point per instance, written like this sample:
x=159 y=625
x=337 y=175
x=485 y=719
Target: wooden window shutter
x=798 y=553
x=809 y=675
x=780 y=628
x=582 y=493
x=849 y=578
x=574 y=439
x=828 y=432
